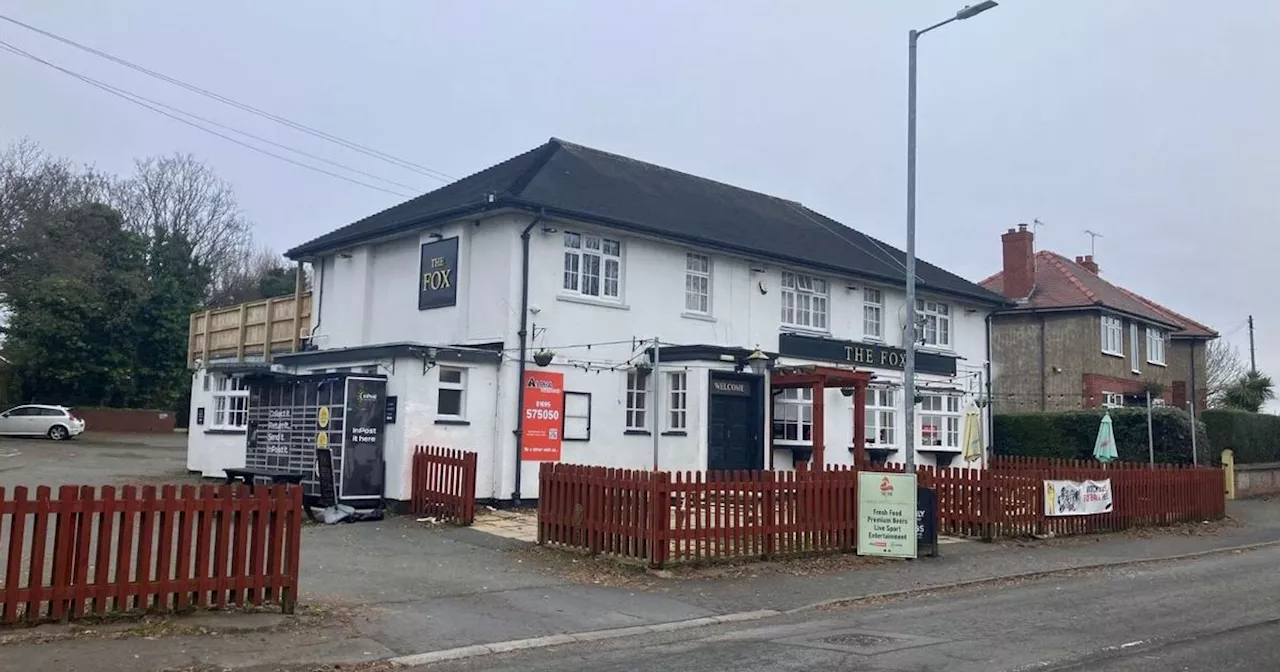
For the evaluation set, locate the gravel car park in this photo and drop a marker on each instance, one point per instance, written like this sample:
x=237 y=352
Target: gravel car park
x=95 y=459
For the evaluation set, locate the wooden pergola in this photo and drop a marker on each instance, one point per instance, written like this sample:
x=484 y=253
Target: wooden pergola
x=819 y=378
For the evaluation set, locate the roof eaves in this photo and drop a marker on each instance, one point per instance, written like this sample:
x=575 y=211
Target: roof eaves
x=312 y=249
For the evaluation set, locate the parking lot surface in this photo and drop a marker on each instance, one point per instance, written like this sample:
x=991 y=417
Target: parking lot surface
x=95 y=459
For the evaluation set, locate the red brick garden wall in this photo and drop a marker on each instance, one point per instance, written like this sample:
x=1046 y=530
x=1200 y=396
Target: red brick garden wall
x=130 y=420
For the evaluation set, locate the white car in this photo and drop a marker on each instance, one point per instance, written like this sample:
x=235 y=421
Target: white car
x=55 y=422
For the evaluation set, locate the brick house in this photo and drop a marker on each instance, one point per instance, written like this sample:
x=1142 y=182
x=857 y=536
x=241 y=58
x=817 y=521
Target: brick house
x=1073 y=340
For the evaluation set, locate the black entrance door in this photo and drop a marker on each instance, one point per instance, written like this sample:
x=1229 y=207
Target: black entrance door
x=734 y=427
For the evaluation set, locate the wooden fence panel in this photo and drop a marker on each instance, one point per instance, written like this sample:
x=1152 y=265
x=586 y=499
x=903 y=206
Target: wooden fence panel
x=89 y=552
x=443 y=484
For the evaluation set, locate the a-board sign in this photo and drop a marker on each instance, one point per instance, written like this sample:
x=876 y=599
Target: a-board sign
x=927 y=522
x=324 y=475
x=887 y=514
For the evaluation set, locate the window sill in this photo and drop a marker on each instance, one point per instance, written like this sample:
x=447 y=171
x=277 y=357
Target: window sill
x=784 y=444
x=697 y=316
x=1113 y=354
x=803 y=331
x=459 y=422
x=592 y=301
x=226 y=430
x=1136 y=372
x=1156 y=363
x=936 y=349
x=575 y=438
x=637 y=432
x=675 y=432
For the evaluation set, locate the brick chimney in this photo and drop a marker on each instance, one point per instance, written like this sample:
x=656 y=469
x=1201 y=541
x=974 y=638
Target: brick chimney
x=1019 y=262
x=1088 y=263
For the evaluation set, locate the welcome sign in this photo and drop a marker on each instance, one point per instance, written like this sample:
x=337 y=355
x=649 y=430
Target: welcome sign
x=438 y=274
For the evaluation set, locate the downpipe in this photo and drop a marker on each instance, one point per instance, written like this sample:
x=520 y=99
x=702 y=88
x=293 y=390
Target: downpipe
x=523 y=335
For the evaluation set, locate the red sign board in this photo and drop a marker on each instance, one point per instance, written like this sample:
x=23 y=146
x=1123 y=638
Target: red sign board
x=543 y=416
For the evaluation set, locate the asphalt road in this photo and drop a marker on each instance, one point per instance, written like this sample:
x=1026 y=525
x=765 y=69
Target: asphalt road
x=1218 y=613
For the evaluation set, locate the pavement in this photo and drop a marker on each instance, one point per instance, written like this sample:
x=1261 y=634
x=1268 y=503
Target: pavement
x=399 y=588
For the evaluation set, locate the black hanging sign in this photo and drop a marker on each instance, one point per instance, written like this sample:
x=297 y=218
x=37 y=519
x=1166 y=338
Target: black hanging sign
x=200 y=415
x=438 y=274
x=324 y=474
x=390 y=412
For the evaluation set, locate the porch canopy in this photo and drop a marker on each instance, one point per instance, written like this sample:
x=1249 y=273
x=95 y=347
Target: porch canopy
x=819 y=378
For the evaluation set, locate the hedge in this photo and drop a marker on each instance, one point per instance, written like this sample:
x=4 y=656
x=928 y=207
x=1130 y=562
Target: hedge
x=1254 y=437
x=1071 y=435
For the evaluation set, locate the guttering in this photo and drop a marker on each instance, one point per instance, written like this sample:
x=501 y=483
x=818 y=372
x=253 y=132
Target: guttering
x=523 y=335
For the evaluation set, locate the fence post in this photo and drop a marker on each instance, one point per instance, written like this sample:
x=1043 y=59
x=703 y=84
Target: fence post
x=659 y=517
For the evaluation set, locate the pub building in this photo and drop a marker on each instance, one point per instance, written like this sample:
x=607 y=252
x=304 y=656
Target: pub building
x=577 y=306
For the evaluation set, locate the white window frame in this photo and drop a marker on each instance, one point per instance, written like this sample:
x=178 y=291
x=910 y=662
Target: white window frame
x=883 y=421
x=1112 y=336
x=1135 y=354
x=581 y=251
x=697 y=283
x=575 y=431
x=806 y=302
x=677 y=401
x=230 y=404
x=636 y=400
x=1156 y=341
x=935 y=327
x=942 y=411
x=460 y=387
x=873 y=313
x=1112 y=400
x=793 y=409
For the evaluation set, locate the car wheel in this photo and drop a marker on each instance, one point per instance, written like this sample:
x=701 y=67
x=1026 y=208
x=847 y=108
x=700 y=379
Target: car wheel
x=59 y=433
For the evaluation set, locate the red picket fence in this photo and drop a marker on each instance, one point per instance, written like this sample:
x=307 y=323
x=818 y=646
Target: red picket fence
x=89 y=552
x=444 y=484
x=658 y=517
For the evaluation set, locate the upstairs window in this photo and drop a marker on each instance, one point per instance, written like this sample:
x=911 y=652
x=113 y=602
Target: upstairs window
x=935 y=323
x=1112 y=336
x=697 y=283
x=872 y=313
x=804 y=301
x=592 y=266
x=1155 y=346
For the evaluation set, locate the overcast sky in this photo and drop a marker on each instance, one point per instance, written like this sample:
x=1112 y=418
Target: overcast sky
x=1154 y=123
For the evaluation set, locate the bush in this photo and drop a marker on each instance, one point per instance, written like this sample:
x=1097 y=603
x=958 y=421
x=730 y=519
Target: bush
x=1254 y=437
x=1071 y=435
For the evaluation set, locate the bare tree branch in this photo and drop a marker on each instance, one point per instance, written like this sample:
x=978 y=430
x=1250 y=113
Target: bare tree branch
x=1223 y=368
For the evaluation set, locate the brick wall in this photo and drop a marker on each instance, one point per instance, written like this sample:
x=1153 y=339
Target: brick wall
x=1075 y=370
x=128 y=420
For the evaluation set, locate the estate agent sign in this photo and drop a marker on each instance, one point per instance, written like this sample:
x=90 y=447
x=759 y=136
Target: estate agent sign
x=438 y=274
x=887 y=514
x=543 y=416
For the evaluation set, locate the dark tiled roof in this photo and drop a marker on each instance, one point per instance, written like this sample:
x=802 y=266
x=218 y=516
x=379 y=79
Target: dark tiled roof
x=577 y=182
x=1061 y=283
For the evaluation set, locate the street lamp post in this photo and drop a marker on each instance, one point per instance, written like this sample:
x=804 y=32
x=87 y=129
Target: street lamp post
x=909 y=336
